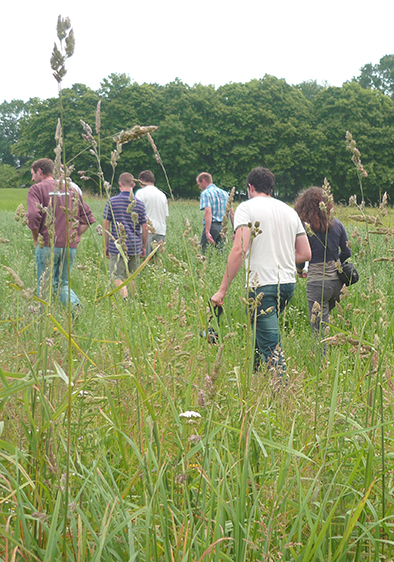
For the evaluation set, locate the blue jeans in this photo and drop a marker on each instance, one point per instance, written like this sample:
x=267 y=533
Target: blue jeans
x=267 y=324
x=60 y=271
x=215 y=230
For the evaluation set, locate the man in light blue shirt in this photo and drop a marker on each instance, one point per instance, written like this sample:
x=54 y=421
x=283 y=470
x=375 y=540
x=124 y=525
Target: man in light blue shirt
x=213 y=201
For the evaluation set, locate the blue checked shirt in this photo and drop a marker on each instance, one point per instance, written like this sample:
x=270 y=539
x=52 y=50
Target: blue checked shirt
x=216 y=199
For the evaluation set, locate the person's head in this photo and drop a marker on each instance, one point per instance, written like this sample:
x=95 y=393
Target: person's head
x=41 y=169
x=126 y=181
x=314 y=207
x=262 y=179
x=203 y=180
x=146 y=178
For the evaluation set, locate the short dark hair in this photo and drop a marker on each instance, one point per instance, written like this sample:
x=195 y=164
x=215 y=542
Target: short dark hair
x=262 y=179
x=126 y=179
x=147 y=177
x=46 y=165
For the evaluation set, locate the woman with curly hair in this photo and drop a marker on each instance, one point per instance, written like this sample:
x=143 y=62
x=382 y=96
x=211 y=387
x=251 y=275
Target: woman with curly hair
x=328 y=241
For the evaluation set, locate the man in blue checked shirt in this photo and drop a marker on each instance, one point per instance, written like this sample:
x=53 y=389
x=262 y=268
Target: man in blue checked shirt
x=213 y=201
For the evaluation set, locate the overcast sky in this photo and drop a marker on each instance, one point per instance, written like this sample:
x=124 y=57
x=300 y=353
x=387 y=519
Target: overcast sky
x=208 y=42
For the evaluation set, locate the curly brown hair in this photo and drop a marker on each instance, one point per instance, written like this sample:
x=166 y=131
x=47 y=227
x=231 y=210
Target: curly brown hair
x=46 y=165
x=308 y=208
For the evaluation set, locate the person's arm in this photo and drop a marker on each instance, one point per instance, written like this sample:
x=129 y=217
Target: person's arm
x=208 y=223
x=86 y=218
x=145 y=234
x=232 y=216
x=83 y=228
x=34 y=216
x=106 y=228
x=234 y=263
x=302 y=249
x=34 y=232
x=345 y=250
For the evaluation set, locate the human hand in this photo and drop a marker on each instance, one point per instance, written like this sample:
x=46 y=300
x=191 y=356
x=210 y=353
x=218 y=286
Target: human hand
x=302 y=275
x=210 y=238
x=143 y=253
x=218 y=298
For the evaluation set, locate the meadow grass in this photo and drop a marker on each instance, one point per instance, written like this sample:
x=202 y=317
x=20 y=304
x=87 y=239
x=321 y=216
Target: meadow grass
x=98 y=464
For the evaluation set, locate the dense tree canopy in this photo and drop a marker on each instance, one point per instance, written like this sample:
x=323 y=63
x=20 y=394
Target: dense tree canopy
x=10 y=116
x=369 y=116
x=379 y=76
x=296 y=131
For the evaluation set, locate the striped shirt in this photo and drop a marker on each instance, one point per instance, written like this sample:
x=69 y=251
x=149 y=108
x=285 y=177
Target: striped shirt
x=116 y=212
x=216 y=199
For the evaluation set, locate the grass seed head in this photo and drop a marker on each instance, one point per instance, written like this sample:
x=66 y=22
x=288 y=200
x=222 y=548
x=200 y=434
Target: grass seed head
x=356 y=155
x=19 y=213
x=201 y=399
x=194 y=439
x=309 y=229
x=98 y=117
x=15 y=277
x=27 y=294
x=181 y=478
x=114 y=158
x=133 y=134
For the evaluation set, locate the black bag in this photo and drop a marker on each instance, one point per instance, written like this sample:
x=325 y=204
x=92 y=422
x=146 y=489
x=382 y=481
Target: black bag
x=349 y=274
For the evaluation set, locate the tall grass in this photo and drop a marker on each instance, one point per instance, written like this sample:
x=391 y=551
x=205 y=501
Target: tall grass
x=126 y=435
x=255 y=478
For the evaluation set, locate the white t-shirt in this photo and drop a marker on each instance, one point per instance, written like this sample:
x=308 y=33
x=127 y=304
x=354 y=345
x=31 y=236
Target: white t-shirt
x=272 y=259
x=156 y=207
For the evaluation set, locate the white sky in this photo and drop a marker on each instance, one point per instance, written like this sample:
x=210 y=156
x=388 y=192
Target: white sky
x=208 y=42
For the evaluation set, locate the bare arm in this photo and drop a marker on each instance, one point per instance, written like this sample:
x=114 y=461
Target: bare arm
x=302 y=249
x=234 y=263
x=106 y=228
x=232 y=216
x=145 y=234
x=208 y=223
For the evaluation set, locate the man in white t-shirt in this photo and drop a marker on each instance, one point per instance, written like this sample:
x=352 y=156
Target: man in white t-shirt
x=270 y=237
x=156 y=205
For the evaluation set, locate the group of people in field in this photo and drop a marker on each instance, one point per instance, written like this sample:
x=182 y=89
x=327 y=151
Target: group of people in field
x=57 y=212
x=273 y=239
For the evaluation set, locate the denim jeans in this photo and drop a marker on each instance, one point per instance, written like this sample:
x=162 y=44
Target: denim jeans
x=215 y=230
x=60 y=271
x=267 y=324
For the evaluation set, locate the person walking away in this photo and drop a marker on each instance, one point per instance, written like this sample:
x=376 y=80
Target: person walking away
x=213 y=201
x=328 y=240
x=125 y=232
x=156 y=206
x=46 y=213
x=278 y=242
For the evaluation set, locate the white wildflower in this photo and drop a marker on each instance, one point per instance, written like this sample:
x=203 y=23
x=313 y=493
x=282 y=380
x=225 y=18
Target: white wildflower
x=189 y=414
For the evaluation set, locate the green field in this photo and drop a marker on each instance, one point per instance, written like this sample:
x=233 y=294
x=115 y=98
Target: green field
x=97 y=464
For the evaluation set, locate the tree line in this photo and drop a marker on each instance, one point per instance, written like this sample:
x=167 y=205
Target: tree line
x=296 y=131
